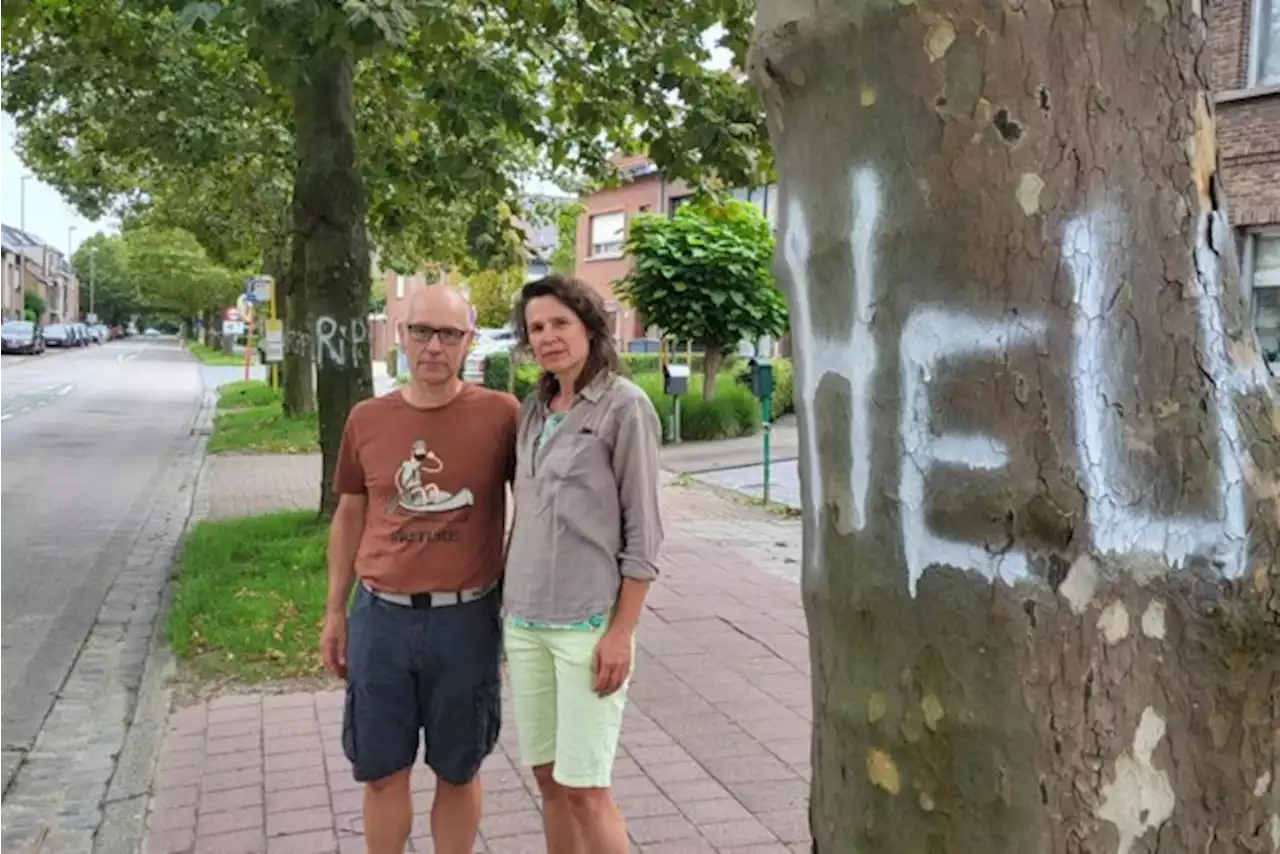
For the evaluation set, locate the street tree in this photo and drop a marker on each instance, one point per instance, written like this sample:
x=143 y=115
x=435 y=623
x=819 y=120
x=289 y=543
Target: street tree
x=704 y=275
x=175 y=276
x=451 y=104
x=101 y=263
x=492 y=294
x=1039 y=447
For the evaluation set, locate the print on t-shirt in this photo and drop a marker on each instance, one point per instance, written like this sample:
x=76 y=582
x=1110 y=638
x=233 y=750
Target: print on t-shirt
x=420 y=497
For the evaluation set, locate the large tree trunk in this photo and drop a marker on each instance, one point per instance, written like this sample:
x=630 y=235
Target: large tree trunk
x=1039 y=447
x=332 y=224
x=297 y=375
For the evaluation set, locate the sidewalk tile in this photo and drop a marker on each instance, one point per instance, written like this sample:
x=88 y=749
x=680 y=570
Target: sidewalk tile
x=715 y=745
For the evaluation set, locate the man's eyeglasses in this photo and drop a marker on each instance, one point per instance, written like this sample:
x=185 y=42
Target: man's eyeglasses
x=422 y=333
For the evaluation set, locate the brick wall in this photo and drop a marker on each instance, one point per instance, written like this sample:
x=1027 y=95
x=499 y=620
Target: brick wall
x=1248 y=119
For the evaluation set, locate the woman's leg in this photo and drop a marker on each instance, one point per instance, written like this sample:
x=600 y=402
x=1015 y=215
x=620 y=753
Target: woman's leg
x=532 y=676
x=587 y=730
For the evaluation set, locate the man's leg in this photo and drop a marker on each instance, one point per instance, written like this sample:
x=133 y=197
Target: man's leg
x=388 y=814
x=380 y=719
x=460 y=696
x=455 y=816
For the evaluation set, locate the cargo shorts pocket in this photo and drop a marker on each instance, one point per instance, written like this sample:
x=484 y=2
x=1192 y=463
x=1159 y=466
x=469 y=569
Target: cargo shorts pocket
x=349 y=724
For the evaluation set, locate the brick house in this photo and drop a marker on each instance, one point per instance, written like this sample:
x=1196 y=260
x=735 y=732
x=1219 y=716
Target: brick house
x=384 y=328
x=602 y=231
x=31 y=265
x=1244 y=46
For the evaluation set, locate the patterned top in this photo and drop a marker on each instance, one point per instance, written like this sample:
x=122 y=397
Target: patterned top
x=549 y=428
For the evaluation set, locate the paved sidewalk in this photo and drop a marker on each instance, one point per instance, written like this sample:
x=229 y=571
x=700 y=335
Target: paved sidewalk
x=715 y=751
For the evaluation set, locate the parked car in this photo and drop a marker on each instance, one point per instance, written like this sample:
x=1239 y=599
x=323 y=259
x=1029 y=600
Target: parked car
x=487 y=341
x=22 y=336
x=59 y=335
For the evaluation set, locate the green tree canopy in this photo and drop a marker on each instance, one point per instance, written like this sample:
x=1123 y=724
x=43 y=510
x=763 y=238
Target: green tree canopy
x=174 y=274
x=492 y=293
x=704 y=275
x=102 y=263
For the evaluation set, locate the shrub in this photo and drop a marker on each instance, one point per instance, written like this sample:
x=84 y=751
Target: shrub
x=496 y=373
x=393 y=360
x=733 y=412
x=634 y=364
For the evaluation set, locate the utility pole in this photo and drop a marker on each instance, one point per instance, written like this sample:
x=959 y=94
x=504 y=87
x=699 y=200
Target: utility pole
x=93 y=257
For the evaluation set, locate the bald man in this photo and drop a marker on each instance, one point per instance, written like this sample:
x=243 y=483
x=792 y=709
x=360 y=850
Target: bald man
x=421 y=479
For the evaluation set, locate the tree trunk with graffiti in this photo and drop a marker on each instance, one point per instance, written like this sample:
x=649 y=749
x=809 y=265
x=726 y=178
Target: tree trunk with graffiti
x=297 y=385
x=1039 y=448
x=331 y=222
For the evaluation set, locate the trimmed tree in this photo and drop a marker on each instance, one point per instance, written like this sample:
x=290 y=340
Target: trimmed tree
x=704 y=275
x=1039 y=446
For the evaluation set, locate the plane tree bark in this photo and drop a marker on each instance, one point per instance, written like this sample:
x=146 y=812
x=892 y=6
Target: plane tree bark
x=1039 y=447
x=331 y=203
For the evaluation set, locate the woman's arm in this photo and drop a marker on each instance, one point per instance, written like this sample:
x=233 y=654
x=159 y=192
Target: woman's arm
x=635 y=467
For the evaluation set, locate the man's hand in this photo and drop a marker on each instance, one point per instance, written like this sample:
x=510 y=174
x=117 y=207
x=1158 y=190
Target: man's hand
x=333 y=643
x=612 y=662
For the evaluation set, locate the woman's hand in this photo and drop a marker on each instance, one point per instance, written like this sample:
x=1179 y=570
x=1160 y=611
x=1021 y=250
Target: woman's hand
x=612 y=662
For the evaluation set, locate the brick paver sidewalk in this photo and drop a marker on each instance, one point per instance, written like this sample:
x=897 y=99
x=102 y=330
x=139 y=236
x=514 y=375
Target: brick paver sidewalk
x=715 y=746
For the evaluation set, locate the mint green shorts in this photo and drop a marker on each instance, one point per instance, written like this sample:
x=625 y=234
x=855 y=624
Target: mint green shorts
x=560 y=720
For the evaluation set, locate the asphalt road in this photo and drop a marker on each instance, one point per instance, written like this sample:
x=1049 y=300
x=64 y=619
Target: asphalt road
x=85 y=436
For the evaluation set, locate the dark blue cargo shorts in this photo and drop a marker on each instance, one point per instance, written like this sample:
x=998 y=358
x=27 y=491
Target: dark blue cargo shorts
x=433 y=671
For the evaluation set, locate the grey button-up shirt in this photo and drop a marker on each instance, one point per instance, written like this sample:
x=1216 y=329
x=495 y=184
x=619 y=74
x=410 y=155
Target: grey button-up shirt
x=586 y=506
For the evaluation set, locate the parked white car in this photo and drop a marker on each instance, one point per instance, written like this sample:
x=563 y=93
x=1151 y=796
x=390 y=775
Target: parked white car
x=487 y=341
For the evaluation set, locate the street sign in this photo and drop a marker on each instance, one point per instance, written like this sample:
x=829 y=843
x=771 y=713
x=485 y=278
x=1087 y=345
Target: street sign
x=233 y=327
x=259 y=289
x=273 y=341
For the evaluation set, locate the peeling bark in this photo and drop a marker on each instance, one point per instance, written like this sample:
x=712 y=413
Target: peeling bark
x=1039 y=447
x=331 y=219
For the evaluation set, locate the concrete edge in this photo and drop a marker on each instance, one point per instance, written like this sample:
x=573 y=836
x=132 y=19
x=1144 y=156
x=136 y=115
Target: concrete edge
x=128 y=801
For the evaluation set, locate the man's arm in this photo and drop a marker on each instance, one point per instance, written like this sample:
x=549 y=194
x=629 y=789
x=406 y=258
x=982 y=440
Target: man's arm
x=348 y=520
x=344 y=542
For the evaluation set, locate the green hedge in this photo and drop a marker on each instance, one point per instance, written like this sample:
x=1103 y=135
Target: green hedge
x=634 y=364
x=733 y=412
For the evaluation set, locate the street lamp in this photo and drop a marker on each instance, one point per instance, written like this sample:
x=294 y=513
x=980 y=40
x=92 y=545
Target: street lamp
x=71 y=230
x=22 y=214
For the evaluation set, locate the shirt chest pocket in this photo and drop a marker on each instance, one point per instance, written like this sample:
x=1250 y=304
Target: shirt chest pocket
x=578 y=459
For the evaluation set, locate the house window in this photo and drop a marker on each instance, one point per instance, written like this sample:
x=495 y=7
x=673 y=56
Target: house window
x=674 y=203
x=1263 y=262
x=399 y=286
x=1264 y=44
x=608 y=234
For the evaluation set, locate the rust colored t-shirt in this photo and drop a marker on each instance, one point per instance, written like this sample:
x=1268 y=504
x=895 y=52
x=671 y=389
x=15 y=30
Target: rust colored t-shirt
x=436 y=480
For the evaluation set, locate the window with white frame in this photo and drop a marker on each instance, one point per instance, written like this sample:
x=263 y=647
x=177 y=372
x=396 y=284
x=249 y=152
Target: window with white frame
x=608 y=234
x=1264 y=44
x=1263 y=262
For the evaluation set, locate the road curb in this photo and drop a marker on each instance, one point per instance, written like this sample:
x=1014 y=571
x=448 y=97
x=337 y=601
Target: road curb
x=128 y=801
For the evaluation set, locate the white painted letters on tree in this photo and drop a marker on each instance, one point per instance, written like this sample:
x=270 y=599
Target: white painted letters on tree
x=931 y=335
x=1118 y=525
x=853 y=358
x=934 y=333
x=335 y=341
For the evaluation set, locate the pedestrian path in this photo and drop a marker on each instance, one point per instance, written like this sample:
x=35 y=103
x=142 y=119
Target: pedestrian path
x=715 y=748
